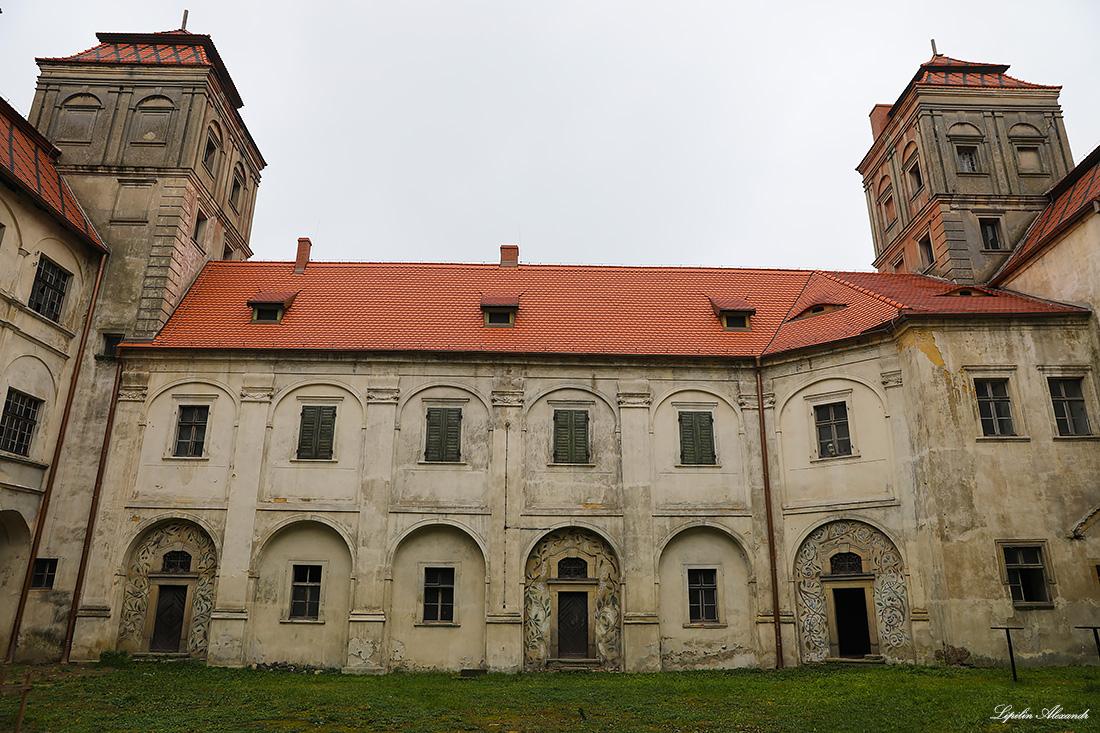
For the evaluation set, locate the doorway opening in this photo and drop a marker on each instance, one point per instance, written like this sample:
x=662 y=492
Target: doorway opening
x=852 y=629
x=168 y=625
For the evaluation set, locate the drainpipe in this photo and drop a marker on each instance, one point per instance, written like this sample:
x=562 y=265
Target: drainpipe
x=40 y=524
x=771 y=523
x=92 y=512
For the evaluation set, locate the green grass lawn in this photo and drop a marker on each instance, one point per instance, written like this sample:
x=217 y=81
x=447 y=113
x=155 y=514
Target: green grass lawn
x=185 y=696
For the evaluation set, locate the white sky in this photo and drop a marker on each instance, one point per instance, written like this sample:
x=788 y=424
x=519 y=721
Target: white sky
x=702 y=132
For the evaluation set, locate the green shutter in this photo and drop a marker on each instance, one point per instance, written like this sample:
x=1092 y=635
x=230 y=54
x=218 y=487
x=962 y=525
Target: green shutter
x=570 y=436
x=704 y=438
x=433 y=446
x=452 y=433
x=325 y=432
x=579 y=451
x=307 y=433
x=561 y=436
x=687 y=438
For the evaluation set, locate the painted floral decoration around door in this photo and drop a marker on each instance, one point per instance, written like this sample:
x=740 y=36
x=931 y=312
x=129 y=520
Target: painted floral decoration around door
x=890 y=595
x=542 y=565
x=135 y=600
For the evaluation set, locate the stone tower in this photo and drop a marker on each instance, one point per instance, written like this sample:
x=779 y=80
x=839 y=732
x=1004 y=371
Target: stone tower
x=958 y=168
x=155 y=148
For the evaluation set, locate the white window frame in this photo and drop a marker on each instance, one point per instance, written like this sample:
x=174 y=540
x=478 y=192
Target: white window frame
x=825 y=398
x=288 y=592
x=189 y=399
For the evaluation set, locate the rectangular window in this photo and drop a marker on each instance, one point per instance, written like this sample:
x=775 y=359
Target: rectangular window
x=45 y=568
x=697 y=439
x=444 y=435
x=1027 y=576
x=199 y=234
x=926 y=255
x=703 y=596
x=191 y=431
x=1069 y=406
x=994 y=407
x=916 y=183
x=316 y=433
x=439 y=594
x=570 y=436
x=833 y=438
x=17 y=423
x=48 y=291
x=968 y=158
x=305 y=592
x=991 y=233
x=210 y=154
x=111 y=342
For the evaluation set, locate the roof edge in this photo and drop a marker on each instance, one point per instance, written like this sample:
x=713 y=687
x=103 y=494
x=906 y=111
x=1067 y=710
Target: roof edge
x=31 y=131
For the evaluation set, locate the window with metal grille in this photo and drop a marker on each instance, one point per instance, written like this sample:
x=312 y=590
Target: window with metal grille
x=17 y=422
x=833 y=438
x=994 y=407
x=697 y=439
x=571 y=436
x=444 y=435
x=176 y=561
x=1069 y=406
x=305 y=592
x=191 y=431
x=968 y=158
x=45 y=568
x=572 y=567
x=48 y=290
x=991 y=233
x=845 y=563
x=703 y=595
x=439 y=594
x=1027 y=576
x=317 y=432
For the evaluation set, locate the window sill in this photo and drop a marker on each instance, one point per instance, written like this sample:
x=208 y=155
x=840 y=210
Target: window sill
x=1072 y=438
x=573 y=465
x=1032 y=605
x=441 y=463
x=17 y=458
x=444 y=624
x=705 y=625
x=1003 y=438
x=313 y=460
x=698 y=465
x=185 y=458
x=972 y=174
x=313 y=621
x=830 y=459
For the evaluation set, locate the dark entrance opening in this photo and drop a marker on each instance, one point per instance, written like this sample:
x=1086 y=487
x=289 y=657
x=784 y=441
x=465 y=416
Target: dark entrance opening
x=168 y=626
x=852 y=635
x=573 y=625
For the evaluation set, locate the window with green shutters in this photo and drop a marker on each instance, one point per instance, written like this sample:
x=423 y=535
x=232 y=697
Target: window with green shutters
x=571 y=436
x=444 y=435
x=317 y=431
x=697 y=439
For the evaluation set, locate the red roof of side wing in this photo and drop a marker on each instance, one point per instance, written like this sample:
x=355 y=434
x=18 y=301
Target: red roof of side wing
x=564 y=309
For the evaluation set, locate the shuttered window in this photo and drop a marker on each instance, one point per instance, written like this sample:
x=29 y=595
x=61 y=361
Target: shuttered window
x=444 y=434
x=697 y=439
x=571 y=436
x=316 y=434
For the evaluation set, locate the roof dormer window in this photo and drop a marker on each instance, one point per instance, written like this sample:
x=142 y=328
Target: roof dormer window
x=818 y=309
x=499 y=309
x=270 y=307
x=735 y=314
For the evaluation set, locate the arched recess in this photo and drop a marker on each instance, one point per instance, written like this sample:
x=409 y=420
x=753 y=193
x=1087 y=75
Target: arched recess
x=1025 y=130
x=166 y=602
x=301 y=597
x=15 y=542
x=844 y=613
x=964 y=129
x=436 y=614
x=572 y=616
x=707 y=601
x=151 y=122
x=77 y=119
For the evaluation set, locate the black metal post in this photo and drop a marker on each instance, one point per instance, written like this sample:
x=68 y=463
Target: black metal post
x=1095 y=636
x=1011 y=656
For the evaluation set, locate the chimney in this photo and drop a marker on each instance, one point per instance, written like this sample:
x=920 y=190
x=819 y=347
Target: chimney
x=303 y=255
x=509 y=255
x=880 y=115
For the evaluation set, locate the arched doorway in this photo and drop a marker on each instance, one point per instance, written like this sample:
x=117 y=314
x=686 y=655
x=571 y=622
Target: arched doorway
x=169 y=591
x=15 y=542
x=852 y=597
x=572 y=602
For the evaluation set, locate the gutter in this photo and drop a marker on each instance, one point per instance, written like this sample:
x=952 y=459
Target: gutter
x=771 y=522
x=40 y=523
x=93 y=510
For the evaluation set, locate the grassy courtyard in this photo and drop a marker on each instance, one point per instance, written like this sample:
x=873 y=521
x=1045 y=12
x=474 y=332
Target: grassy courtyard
x=183 y=696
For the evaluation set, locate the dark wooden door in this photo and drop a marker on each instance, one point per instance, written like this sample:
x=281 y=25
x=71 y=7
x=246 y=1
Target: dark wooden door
x=852 y=634
x=573 y=625
x=168 y=626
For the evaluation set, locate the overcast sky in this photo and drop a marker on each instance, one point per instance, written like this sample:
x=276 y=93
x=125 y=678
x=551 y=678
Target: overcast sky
x=699 y=132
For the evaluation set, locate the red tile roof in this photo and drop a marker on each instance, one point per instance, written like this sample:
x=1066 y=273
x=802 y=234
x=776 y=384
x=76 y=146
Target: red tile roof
x=566 y=309
x=1069 y=198
x=27 y=160
x=946 y=71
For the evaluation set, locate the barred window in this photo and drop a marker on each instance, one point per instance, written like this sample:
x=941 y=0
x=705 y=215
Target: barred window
x=703 y=595
x=305 y=592
x=48 y=291
x=572 y=567
x=191 y=431
x=176 y=561
x=17 y=423
x=439 y=594
x=845 y=563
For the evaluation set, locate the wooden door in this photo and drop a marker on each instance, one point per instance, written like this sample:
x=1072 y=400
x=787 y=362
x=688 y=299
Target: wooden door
x=573 y=624
x=168 y=626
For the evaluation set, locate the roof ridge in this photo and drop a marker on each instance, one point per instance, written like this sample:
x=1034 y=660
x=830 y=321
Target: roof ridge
x=865 y=291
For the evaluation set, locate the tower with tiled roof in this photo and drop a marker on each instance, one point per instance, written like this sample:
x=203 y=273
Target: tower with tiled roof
x=153 y=144
x=958 y=168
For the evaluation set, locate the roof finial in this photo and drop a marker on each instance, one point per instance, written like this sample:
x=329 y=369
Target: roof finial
x=183 y=26
x=934 y=51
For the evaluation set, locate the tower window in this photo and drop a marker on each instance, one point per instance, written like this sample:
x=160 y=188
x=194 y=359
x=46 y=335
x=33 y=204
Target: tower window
x=927 y=257
x=1028 y=156
x=236 y=190
x=968 y=158
x=991 y=234
x=916 y=183
x=210 y=154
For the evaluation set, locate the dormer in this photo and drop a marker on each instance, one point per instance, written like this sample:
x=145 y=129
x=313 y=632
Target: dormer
x=735 y=314
x=817 y=309
x=499 y=309
x=270 y=307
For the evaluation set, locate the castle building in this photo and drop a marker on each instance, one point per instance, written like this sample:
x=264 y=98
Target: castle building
x=384 y=466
